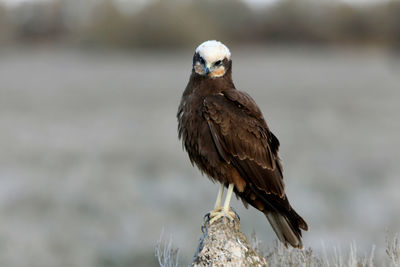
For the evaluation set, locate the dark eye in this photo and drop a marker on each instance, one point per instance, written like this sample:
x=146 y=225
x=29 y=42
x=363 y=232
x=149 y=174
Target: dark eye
x=202 y=61
x=217 y=63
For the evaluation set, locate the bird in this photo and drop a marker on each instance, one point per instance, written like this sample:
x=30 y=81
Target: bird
x=225 y=135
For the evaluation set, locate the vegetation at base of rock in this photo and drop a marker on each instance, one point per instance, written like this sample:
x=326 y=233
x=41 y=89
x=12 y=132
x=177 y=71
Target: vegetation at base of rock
x=277 y=255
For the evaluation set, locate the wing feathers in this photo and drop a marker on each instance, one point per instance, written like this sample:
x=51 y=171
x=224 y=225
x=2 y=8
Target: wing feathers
x=243 y=139
x=217 y=142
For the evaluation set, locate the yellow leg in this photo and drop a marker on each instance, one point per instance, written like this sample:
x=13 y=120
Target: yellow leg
x=217 y=213
x=219 y=197
x=228 y=197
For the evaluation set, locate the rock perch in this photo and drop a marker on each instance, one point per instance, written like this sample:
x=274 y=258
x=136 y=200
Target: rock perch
x=222 y=244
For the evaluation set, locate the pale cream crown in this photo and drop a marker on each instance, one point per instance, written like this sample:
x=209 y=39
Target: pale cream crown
x=213 y=50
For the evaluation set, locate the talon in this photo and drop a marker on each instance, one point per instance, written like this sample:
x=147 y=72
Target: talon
x=215 y=215
x=233 y=211
x=223 y=211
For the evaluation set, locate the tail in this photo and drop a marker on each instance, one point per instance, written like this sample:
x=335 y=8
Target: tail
x=287 y=227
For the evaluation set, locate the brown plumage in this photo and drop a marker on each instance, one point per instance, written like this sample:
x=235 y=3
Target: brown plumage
x=226 y=136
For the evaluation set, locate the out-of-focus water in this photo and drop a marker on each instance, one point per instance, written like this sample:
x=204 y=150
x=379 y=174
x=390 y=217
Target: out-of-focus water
x=92 y=171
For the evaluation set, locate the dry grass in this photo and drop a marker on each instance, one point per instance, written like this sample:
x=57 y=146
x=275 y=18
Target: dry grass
x=393 y=250
x=277 y=255
x=167 y=255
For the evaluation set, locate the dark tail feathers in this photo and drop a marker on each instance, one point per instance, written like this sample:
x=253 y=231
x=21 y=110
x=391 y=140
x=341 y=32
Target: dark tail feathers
x=287 y=227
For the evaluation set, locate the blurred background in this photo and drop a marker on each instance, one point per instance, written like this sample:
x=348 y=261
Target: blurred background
x=92 y=172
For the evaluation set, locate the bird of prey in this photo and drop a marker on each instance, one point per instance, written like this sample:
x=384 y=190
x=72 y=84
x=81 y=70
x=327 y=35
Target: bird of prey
x=226 y=136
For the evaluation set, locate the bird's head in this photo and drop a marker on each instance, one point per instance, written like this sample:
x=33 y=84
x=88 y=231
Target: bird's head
x=211 y=59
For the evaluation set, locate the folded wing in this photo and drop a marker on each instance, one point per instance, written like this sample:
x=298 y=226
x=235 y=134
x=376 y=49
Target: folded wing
x=243 y=139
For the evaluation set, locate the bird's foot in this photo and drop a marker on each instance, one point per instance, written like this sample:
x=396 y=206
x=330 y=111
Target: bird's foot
x=218 y=213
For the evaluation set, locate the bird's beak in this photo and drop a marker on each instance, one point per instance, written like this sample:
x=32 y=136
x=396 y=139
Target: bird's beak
x=207 y=69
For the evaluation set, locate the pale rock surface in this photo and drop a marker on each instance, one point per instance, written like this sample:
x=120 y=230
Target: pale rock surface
x=222 y=244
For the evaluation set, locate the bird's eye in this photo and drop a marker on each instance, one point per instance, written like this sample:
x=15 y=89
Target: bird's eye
x=202 y=61
x=217 y=63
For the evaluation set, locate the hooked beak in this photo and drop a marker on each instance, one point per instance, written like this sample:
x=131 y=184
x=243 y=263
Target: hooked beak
x=207 y=69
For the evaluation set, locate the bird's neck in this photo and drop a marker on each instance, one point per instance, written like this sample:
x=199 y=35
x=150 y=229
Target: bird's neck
x=201 y=85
